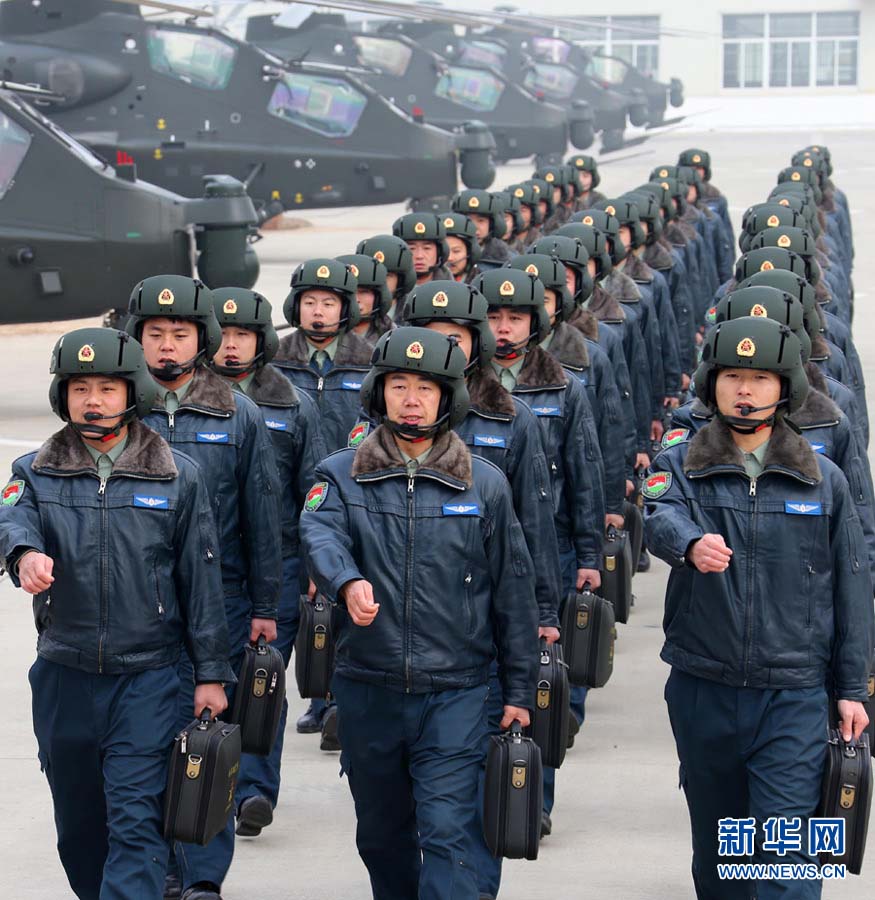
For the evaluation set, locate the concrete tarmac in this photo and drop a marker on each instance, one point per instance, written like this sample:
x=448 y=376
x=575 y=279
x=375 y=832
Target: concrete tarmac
x=620 y=826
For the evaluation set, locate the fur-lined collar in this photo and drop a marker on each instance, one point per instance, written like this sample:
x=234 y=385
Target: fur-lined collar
x=541 y=370
x=820 y=348
x=379 y=325
x=638 y=270
x=679 y=233
x=209 y=393
x=488 y=396
x=586 y=323
x=353 y=352
x=146 y=454
x=378 y=453
x=708 y=191
x=269 y=387
x=816 y=378
x=788 y=451
x=821 y=292
x=827 y=203
x=622 y=287
x=818 y=409
x=658 y=256
x=569 y=346
x=604 y=306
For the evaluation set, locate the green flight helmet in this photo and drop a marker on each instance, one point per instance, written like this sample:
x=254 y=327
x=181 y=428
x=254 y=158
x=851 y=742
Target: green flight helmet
x=796 y=240
x=660 y=191
x=324 y=275
x=626 y=212
x=663 y=173
x=176 y=297
x=572 y=254
x=677 y=190
x=802 y=175
x=572 y=182
x=424 y=226
x=648 y=211
x=761 y=216
x=555 y=176
x=545 y=194
x=609 y=225
x=551 y=272
x=752 y=342
x=507 y=203
x=251 y=310
x=480 y=203
x=107 y=352
x=770 y=303
x=512 y=287
x=797 y=287
x=528 y=195
x=582 y=162
x=461 y=227
x=820 y=150
x=423 y=352
x=767 y=259
x=395 y=255
x=594 y=242
x=812 y=161
x=700 y=159
x=371 y=274
x=454 y=301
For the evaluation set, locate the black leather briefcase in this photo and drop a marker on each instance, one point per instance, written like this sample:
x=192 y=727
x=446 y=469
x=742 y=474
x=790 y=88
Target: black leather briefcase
x=847 y=794
x=259 y=696
x=314 y=647
x=549 y=728
x=617 y=573
x=588 y=633
x=204 y=765
x=634 y=526
x=513 y=795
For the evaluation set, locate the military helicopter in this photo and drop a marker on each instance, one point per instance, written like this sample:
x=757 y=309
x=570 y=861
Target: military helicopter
x=181 y=100
x=76 y=234
x=431 y=88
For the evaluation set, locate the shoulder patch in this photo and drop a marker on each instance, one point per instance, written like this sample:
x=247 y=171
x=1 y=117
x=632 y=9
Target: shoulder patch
x=803 y=509
x=656 y=485
x=675 y=436
x=359 y=432
x=12 y=493
x=461 y=509
x=316 y=496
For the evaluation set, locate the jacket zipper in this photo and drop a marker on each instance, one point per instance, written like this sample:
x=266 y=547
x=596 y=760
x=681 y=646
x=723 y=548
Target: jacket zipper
x=104 y=576
x=408 y=583
x=752 y=493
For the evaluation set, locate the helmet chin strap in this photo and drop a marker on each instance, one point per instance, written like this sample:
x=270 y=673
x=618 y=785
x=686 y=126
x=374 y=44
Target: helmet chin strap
x=415 y=434
x=233 y=371
x=510 y=350
x=175 y=370
x=743 y=425
x=102 y=433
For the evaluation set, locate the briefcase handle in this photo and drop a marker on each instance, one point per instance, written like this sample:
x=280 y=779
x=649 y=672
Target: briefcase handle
x=206 y=717
x=611 y=533
x=260 y=646
x=516 y=730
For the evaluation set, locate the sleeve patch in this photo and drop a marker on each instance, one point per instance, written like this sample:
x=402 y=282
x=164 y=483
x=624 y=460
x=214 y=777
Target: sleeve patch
x=316 y=496
x=656 y=485
x=12 y=493
x=675 y=436
x=358 y=434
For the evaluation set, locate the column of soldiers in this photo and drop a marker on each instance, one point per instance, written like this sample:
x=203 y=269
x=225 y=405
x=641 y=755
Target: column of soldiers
x=462 y=409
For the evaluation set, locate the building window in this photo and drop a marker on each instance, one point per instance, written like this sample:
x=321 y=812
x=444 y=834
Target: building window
x=790 y=50
x=634 y=39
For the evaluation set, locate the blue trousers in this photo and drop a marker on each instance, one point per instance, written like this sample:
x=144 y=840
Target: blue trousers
x=413 y=761
x=747 y=752
x=104 y=742
x=261 y=774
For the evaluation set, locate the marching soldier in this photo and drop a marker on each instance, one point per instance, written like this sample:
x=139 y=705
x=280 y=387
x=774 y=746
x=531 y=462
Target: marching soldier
x=395 y=255
x=112 y=531
x=425 y=235
x=386 y=528
x=483 y=209
x=755 y=643
x=464 y=247
x=586 y=174
x=372 y=295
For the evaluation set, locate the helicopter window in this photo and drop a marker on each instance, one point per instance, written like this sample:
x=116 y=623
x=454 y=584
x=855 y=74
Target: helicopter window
x=482 y=53
x=198 y=59
x=14 y=143
x=554 y=80
x=473 y=88
x=327 y=106
x=552 y=49
x=391 y=57
x=609 y=71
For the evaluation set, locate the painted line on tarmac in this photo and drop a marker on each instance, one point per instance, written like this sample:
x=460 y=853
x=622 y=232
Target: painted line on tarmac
x=17 y=442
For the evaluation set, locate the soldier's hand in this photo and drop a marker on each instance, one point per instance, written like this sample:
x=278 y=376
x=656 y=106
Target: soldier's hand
x=35 y=572
x=212 y=696
x=685 y=382
x=517 y=713
x=629 y=487
x=616 y=519
x=642 y=461
x=266 y=627
x=359 y=598
x=552 y=634
x=672 y=402
x=710 y=554
x=311 y=590
x=656 y=430
x=852 y=719
x=593 y=576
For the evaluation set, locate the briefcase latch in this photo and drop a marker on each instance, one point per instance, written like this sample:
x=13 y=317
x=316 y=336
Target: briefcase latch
x=543 y=699
x=848 y=794
x=583 y=617
x=518 y=777
x=259 y=683
x=319 y=637
x=610 y=563
x=193 y=768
